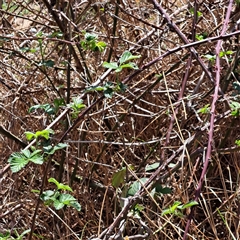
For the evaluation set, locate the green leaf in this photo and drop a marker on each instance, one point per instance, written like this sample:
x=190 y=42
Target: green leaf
x=118 y=177
x=151 y=167
x=97 y=88
x=76 y=106
x=46 y=107
x=136 y=186
x=160 y=189
x=90 y=37
x=75 y=205
x=205 y=109
x=119 y=69
x=127 y=56
x=112 y=65
x=30 y=135
x=199 y=37
x=199 y=14
x=187 y=205
x=60 y=146
x=78 y=103
x=5 y=236
x=172 y=209
x=130 y=65
x=138 y=208
x=46 y=195
x=210 y=57
x=64 y=187
x=57 y=103
x=35 y=191
x=108 y=93
x=50 y=150
x=17 y=161
x=58 y=205
x=26 y=153
x=60 y=186
x=122 y=87
x=237 y=142
x=36 y=157
x=66 y=198
x=235 y=107
x=44 y=133
x=53 y=180
x=56 y=34
x=100 y=46
x=23 y=233
x=222 y=54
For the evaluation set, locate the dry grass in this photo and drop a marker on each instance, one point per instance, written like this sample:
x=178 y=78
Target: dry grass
x=140 y=115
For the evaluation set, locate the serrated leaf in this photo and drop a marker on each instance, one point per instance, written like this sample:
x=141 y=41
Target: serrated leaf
x=46 y=107
x=46 y=195
x=58 y=205
x=26 y=153
x=37 y=159
x=17 y=161
x=127 y=56
x=35 y=152
x=66 y=198
x=78 y=103
x=75 y=205
x=112 y=65
x=118 y=177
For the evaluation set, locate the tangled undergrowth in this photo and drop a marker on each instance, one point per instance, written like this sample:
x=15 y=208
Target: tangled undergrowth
x=133 y=106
